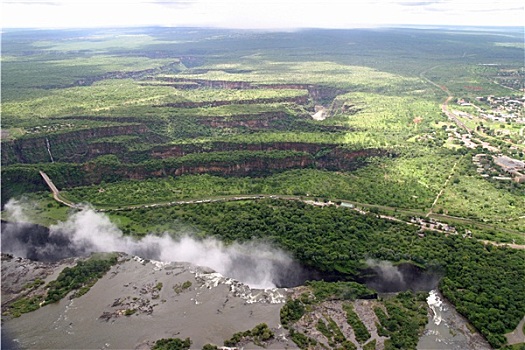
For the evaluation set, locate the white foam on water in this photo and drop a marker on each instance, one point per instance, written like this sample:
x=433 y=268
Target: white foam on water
x=435 y=303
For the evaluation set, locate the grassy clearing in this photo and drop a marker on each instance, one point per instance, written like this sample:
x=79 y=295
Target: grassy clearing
x=233 y=95
x=148 y=111
x=270 y=136
x=103 y=97
x=388 y=120
x=40 y=208
x=486 y=203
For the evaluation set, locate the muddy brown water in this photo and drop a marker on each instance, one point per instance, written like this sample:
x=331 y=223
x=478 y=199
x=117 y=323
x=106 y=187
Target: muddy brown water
x=209 y=311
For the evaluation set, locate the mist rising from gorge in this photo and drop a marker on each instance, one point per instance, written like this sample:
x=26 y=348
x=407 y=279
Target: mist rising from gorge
x=256 y=264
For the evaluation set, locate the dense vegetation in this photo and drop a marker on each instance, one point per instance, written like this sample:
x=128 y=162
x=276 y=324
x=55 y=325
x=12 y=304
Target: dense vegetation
x=339 y=290
x=361 y=333
x=291 y=312
x=25 y=305
x=404 y=320
x=80 y=278
x=258 y=335
x=481 y=280
x=100 y=114
x=321 y=291
x=332 y=332
x=402 y=317
x=172 y=344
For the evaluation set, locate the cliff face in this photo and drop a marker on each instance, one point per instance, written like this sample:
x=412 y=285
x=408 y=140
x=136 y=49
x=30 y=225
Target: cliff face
x=249 y=167
x=191 y=104
x=342 y=159
x=161 y=161
x=335 y=159
x=71 y=146
x=253 y=121
x=315 y=92
x=162 y=152
x=96 y=173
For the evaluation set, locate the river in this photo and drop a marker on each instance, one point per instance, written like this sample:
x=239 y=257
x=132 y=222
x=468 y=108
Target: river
x=447 y=329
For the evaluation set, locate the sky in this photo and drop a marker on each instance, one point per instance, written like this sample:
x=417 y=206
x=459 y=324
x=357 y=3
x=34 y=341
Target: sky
x=259 y=14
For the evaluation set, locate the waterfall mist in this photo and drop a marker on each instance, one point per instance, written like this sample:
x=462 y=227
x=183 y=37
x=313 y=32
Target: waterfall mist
x=257 y=264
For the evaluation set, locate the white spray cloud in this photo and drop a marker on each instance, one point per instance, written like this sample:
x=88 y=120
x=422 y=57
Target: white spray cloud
x=255 y=263
x=388 y=272
x=14 y=210
x=390 y=278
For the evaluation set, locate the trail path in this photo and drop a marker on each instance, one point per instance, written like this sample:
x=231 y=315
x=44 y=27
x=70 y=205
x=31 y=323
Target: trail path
x=510 y=245
x=456 y=120
x=442 y=189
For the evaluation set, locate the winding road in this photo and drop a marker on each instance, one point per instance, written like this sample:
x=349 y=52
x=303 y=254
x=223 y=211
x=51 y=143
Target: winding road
x=357 y=206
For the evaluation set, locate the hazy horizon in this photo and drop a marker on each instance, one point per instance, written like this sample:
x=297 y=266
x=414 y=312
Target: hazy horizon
x=258 y=14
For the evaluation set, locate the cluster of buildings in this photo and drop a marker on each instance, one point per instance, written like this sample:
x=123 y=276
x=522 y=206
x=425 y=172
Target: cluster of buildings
x=431 y=224
x=503 y=109
x=47 y=128
x=513 y=169
x=511 y=78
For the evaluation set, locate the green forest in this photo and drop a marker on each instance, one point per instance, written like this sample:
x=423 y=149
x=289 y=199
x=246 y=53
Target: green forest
x=351 y=144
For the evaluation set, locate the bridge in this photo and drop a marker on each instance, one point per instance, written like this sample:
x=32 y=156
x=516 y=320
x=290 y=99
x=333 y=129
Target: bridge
x=56 y=192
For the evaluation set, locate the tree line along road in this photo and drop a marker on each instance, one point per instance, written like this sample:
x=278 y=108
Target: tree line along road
x=359 y=207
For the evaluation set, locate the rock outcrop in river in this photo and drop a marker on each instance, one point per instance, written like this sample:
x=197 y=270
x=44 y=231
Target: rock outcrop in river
x=136 y=303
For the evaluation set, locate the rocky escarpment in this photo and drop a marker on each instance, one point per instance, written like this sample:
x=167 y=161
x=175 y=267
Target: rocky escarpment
x=343 y=159
x=71 y=146
x=84 y=145
x=217 y=158
x=318 y=93
x=248 y=165
x=137 y=74
x=258 y=160
x=170 y=151
x=254 y=160
x=193 y=104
